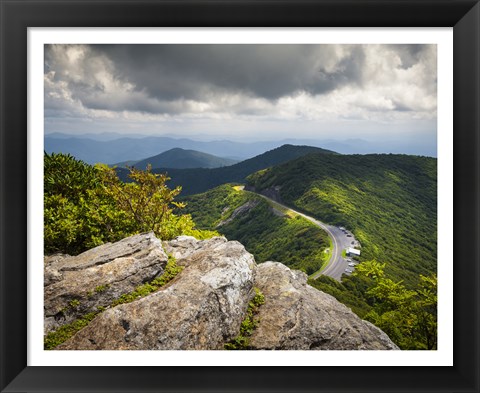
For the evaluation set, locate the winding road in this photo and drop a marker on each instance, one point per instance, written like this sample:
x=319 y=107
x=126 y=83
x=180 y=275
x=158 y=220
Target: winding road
x=341 y=239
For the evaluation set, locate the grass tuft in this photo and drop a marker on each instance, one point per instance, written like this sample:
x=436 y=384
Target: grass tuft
x=249 y=324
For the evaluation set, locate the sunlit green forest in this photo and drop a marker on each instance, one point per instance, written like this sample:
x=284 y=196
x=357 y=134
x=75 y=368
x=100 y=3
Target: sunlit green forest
x=388 y=201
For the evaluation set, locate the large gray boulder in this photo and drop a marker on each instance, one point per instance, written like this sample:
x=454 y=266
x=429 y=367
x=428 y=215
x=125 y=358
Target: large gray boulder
x=297 y=316
x=78 y=285
x=201 y=308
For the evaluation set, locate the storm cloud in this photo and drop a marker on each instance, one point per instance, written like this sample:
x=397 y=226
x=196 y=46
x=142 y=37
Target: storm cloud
x=264 y=83
x=267 y=71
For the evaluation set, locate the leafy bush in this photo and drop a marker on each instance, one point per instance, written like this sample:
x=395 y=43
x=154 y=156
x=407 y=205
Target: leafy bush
x=86 y=206
x=344 y=292
x=408 y=316
x=66 y=176
x=77 y=214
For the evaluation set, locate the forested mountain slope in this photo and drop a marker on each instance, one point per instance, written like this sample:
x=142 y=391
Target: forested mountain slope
x=194 y=181
x=388 y=201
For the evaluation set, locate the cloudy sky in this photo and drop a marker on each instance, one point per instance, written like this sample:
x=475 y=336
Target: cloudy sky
x=256 y=92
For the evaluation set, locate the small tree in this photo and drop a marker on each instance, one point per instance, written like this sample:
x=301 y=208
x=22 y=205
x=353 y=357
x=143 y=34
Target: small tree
x=86 y=206
x=408 y=316
x=149 y=203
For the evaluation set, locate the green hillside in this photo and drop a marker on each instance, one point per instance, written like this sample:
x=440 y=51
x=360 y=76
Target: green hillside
x=388 y=201
x=182 y=159
x=267 y=233
x=198 y=180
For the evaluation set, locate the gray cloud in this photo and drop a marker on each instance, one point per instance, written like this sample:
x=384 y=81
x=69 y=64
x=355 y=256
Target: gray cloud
x=224 y=81
x=269 y=71
x=410 y=54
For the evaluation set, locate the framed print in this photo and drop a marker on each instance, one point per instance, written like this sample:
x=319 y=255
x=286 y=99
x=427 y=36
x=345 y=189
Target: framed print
x=76 y=72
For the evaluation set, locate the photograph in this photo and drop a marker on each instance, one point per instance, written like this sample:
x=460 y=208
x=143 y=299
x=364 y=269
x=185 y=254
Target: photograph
x=237 y=196
x=240 y=197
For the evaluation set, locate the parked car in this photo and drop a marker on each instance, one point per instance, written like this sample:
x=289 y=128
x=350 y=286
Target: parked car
x=351 y=264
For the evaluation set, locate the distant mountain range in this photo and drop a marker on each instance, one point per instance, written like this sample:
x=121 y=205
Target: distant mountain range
x=198 y=180
x=111 y=148
x=182 y=159
x=135 y=149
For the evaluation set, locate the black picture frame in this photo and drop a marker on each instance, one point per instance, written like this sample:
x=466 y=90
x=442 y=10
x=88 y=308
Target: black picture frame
x=17 y=15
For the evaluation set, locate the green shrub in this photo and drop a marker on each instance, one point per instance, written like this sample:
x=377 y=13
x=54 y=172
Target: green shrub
x=408 y=316
x=85 y=206
x=248 y=325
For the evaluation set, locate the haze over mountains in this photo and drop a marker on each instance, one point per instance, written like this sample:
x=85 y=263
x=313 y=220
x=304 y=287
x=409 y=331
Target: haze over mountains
x=111 y=148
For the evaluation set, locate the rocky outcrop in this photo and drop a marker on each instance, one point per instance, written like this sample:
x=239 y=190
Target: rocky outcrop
x=81 y=284
x=297 y=316
x=201 y=308
x=204 y=305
